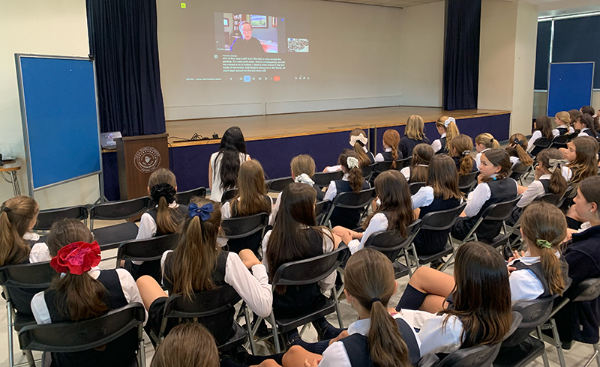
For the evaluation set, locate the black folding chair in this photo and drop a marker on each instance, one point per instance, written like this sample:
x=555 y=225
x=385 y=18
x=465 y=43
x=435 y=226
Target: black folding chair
x=384 y=166
x=320 y=212
x=404 y=162
x=467 y=182
x=20 y=283
x=279 y=184
x=149 y=251
x=112 y=236
x=72 y=337
x=305 y=272
x=351 y=200
x=323 y=179
x=228 y=195
x=554 y=199
x=573 y=136
x=518 y=171
x=213 y=309
x=367 y=171
x=540 y=144
x=185 y=197
x=47 y=217
x=245 y=232
x=414 y=187
x=560 y=141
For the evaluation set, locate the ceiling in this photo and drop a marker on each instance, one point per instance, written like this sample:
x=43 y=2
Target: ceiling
x=390 y=3
x=543 y=5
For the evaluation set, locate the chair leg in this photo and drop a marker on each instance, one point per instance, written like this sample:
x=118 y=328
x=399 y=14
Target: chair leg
x=597 y=352
x=338 y=313
x=142 y=350
x=9 y=322
x=544 y=355
x=29 y=356
x=558 y=343
x=275 y=333
x=250 y=331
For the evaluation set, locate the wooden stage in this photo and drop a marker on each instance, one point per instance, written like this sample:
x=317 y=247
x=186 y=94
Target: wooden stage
x=308 y=123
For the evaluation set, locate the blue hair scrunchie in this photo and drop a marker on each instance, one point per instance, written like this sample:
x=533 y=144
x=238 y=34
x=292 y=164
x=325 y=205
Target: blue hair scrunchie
x=203 y=212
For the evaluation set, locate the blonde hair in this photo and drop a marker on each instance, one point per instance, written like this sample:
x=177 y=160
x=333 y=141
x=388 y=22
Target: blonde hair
x=303 y=163
x=565 y=117
x=414 y=127
x=517 y=147
x=250 y=199
x=451 y=130
x=16 y=216
x=487 y=140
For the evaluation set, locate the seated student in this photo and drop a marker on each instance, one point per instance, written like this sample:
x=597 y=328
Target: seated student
x=251 y=199
x=391 y=139
x=417 y=171
x=164 y=218
x=358 y=141
x=224 y=165
x=517 y=144
x=377 y=338
x=484 y=142
x=542 y=129
x=393 y=212
x=494 y=186
x=573 y=114
x=460 y=151
x=548 y=180
x=296 y=236
x=351 y=182
x=590 y=111
x=413 y=135
x=198 y=264
x=480 y=312
x=82 y=291
x=18 y=245
x=563 y=124
x=441 y=193
x=189 y=344
x=446 y=127
x=584 y=125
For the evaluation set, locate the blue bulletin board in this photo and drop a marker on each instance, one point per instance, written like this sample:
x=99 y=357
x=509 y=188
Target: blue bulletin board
x=569 y=86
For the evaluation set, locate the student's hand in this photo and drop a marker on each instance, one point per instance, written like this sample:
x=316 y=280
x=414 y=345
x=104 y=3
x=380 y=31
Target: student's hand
x=510 y=269
x=480 y=179
x=248 y=258
x=340 y=231
x=347 y=237
x=314 y=363
x=570 y=232
x=326 y=169
x=356 y=235
x=341 y=336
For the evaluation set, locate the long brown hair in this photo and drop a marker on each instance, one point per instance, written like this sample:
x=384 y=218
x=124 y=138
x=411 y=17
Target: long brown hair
x=65 y=232
x=589 y=190
x=414 y=127
x=303 y=163
x=545 y=222
x=79 y=297
x=517 y=147
x=558 y=184
x=392 y=190
x=290 y=239
x=162 y=185
x=544 y=125
x=391 y=138
x=363 y=158
x=573 y=114
x=355 y=178
x=370 y=280
x=590 y=111
x=461 y=146
x=196 y=255
x=588 y=122
x=487 y=140
x=499 y=158
x=189 y=344
x=443 y=177
x=422 y=154
x=251 y=190
x=451 y=130
x=585 y=163
x=228 y=157
x=16 y=216
x=482 y=298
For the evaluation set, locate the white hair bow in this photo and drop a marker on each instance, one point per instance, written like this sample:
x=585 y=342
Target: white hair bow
x=556 y=163
x=352 y=162
x=360 y=138
x=303 y=178
x=448 y=121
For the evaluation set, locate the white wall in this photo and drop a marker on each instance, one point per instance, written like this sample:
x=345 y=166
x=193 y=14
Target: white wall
x=57 y=27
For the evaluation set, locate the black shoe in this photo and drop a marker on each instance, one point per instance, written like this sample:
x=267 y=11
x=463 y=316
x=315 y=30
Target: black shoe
x=321 y=326
x=437 y=264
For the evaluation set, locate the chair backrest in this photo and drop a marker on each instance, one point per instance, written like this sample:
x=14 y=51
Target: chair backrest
x=184 y=198
x=550 y=198
x=47 y=217
x=533 y=313
x=323 y=179
x=391 y=242
x=542 y=142
x=468 y=181
x=228 y=195
x=309 y=271
x=404 y=162
x=441 y=220
x=354 y=200
x=368 y=170
x=279 y=184
x=150 y=249
x=384 y=166
x=587 y=290
x=79 y=336
x=519 y=170
x=120 y=209
x=203 y=304
x=241 y=227
x=36 y=275
x=477 y=356
x=414 y=187
x=500 y=211
x=560 y=141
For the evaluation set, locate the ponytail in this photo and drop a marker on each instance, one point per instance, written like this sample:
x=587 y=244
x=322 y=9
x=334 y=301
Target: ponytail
x=552 y=160
x=394 y=156
x=16 y=215
x=449 y=125
x=79 y=297
x=386 y=346
x=391 y=138
x=162 y=185
x=362 y=156
x=350 y=162
x=523 y=156
x=552 y=270
x=517 y=144
x=355 y=179
x=466 y=164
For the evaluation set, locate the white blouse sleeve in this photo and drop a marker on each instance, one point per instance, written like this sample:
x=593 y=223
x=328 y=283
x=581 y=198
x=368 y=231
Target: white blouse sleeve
x=379 y=158
x=406 y=172
x=477 y=198
x=147 y=227
x=331 y=192
x=335 y=356
x=567 y=173
x=534 y=190
x=524 y=286
x=583 y=133
x=327 y=283
x=39 y=252
x=253 y=288
x=226 y=211
x=555 y=132
x=436 y=145
x=423 y=197
x=263 y=248
x=477 y=160
x=535 y=136
x=378 y=223
x=40 y=309
x=437 y=338
x=333 y=168
x=130 y=289
x=275 y=209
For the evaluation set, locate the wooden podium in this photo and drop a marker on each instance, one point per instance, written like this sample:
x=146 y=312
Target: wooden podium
x=138 y=157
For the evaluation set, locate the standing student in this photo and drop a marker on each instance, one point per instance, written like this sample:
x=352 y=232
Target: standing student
x=391 y=139
x=352 y=181
x=413 y=135
x=563 y=124
x=417 y=171
x=460 y=151
x=446 y=127
x=517 y=145
x=494 y=187
x=82 y=291
x=584 y=123
x=224 y=165
x=542 y=129
x=484 y=142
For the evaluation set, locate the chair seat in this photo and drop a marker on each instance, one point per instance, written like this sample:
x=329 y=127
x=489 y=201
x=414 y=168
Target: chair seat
x=498 y=241
x=520 y=355
x=285 y=325
x=400 y=270
x=21 y=320
x=239 y=338
x=426 y=259
x=112 y=236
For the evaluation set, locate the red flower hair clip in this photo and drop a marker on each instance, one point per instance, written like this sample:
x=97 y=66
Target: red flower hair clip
x=77 y=258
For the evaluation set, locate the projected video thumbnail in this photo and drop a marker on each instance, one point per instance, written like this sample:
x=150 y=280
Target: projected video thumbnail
x=247 y=34
x=297 y=45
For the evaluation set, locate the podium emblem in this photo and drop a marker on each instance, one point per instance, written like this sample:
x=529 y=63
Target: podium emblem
x=147 y=159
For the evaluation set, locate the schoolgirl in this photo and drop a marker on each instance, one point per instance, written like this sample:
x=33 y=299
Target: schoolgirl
x=391 y=139
x=494 y=187
x=590 y=111
x=460 y=151
x=585 y=125
x=581 y=153
x=417 y=171
x=189 y=344
x=446 y=127
x=542 y=129
x=224 y=165
x=352 y=181
x=413 y=135
x=484 y=142
x=358 y=141
x=563 y=124
x=517 y=150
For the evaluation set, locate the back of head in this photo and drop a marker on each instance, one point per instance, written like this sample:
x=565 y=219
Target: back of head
x=552 y=160
x=414 y=127
x=449 y=124
x=351 y=165
x=482 y=298
x=393 y=192
x=17 y=216
x=197 y=252
x=517 y=147
x=422 y=154
x=487 y=140
x=573 y=114
x=359 y=140
x=303 y=163
x=67 y=231
x=498 y=158
x=232 y=144
x=251 y=190
x=544 y=225
x=189 y=344
x=461 y=146
x=588 y=122
x=586 y=162
x=544 y=125
x=163 y=189
x=443 y=177
x=370 y=280
x=588 y=110
x=391 y=138
x=564 y=117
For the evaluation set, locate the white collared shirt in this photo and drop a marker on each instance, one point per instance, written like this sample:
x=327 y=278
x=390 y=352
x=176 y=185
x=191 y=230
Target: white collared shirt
x=331 y=192
x=478 y=197
x=435 y=337
x=378 y=223
x=584 y=132
x=379 y=157
x=437 y=144
x=535 y=136
x=524 y=285
x=534 y=191
x=423 y=197
x=39 y=251
x=148 y=226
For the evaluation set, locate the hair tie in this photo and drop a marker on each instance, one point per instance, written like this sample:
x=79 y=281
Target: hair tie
x=375 y=300
x=303 y=178
x=76 y=258
x=203 y=212
x=448 y=121
x=466 y=153
x=491 y=140
x=352 y=162
x=543 y=244
x=360 y=139
x=518 y=142
x=494 y=178
x=556 y=163
x=6 y=209
x=163 y=190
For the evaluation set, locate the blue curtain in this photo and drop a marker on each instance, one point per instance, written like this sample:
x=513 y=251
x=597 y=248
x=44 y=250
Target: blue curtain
x=123 y=40
x=461 y=54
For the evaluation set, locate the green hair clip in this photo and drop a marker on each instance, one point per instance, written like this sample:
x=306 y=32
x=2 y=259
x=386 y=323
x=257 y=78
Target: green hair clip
x=543 y=244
